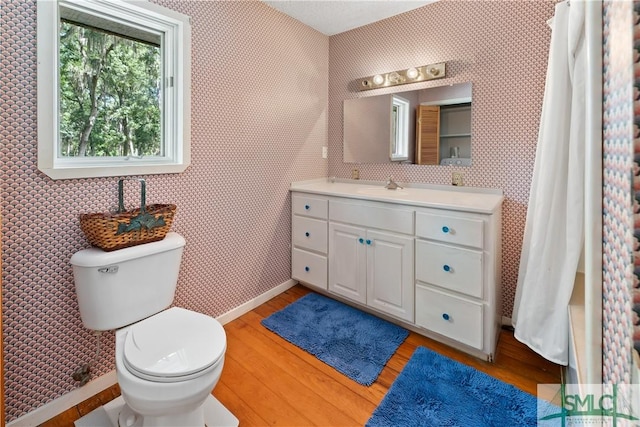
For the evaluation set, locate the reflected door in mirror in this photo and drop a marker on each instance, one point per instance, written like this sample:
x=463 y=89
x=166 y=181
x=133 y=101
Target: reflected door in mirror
x=428 y=135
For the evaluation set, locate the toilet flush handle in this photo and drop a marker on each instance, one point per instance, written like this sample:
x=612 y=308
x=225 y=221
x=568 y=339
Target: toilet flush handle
x=111 y=269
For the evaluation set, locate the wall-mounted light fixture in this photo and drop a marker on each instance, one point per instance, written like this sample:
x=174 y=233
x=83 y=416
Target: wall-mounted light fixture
x=401 y=77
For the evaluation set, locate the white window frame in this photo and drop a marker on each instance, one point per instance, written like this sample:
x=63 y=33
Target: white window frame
x=174 y=30
x=402 y=129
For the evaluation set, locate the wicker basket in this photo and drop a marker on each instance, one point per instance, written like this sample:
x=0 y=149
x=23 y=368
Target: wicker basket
x=112 y=231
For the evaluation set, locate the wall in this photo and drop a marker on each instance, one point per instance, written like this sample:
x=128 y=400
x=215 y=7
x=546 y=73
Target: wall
x=259 y=120
x=634 y=297
x=502 y=48
x=619 y=243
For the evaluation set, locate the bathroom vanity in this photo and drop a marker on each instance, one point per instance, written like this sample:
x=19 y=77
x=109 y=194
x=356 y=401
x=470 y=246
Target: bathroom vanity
x=425 y=257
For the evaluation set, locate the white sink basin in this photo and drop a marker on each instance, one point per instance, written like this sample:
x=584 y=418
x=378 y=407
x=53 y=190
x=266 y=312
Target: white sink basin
x=381 y=191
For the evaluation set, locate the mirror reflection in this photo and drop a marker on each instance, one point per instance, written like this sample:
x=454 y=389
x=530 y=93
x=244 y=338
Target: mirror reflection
x=426 y=127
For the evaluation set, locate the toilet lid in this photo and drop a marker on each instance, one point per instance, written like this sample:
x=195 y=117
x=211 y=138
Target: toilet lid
x=174 y=343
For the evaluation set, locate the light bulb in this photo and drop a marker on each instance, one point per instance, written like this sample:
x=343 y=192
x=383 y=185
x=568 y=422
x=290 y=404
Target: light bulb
x=378 y=79
x=394 y=77
x=412 y=73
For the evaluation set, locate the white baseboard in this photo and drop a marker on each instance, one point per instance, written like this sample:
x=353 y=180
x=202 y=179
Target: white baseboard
x=64 y=402
x=78 y=395
x=251 y=304
x=506 y=321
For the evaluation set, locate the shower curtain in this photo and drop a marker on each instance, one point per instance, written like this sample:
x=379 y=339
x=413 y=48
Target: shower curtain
x=554 y=230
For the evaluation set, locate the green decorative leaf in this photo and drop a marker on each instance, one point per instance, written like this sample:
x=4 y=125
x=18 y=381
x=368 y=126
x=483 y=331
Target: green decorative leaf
x=143 y=220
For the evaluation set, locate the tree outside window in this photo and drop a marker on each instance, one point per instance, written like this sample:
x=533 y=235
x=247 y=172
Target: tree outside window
x=110 y=94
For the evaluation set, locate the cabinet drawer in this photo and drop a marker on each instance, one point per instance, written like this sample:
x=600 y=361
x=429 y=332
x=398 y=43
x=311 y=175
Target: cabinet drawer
x=450 y=229
x=309 y=268
x=314 y=207
x=309 y=233
x=449 y=267
x=453 y=317
x=372 y=215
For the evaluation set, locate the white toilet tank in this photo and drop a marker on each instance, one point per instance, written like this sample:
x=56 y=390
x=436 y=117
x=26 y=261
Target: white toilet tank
x=122 y=287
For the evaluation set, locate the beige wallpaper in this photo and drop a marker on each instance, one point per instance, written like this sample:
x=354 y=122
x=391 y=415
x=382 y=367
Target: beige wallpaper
x=499 y=46
x=259 y=121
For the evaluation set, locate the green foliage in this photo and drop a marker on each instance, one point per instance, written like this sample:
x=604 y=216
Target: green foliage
x=109 y=94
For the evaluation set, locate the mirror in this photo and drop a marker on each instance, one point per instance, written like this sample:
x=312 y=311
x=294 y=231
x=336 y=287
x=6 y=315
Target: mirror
x=426 y=127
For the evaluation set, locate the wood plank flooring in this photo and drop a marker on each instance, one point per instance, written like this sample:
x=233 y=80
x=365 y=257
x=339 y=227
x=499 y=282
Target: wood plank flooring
x=268 y=381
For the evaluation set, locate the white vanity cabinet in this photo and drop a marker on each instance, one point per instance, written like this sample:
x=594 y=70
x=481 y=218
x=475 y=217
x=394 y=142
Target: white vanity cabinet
x=309 y=239
x=428 y=259
x=457 y=276
x=372 y=266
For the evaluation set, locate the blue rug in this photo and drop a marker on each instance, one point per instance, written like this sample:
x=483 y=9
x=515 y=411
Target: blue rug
x=433 y=390
x=355 y=343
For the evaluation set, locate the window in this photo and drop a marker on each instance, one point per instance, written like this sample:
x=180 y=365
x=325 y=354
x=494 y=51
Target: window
x=399 y=129
x=113 y=89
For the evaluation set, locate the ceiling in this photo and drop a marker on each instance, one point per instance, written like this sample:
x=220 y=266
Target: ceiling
x=333 y=17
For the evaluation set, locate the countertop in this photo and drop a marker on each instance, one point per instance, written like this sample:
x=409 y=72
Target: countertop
x=467 y=199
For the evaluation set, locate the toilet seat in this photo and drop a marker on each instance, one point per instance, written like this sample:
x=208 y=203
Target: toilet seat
x=174 y=345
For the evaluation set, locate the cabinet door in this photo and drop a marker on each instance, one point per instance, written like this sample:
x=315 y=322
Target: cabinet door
x=309 y=233
x=347 y=262
x=450 y=267
x=390 y=273
x=457 y=318
x=309 y=268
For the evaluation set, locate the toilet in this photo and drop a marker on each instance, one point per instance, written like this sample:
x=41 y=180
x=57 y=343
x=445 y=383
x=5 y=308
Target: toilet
x=168 y=360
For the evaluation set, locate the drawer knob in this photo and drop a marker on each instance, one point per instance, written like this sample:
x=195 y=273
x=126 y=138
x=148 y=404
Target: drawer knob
x=307 y=269
x=361 y=240
x=307 y=207
x=446 y=267
x=368 y=242
x=445 y=229
x=445 y=316
x=307 y=234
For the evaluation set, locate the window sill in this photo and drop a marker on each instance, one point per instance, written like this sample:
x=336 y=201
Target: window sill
x=107 y=171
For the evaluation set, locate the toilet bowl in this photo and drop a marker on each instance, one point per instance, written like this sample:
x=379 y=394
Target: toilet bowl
x=168 y=360
x=167 y=365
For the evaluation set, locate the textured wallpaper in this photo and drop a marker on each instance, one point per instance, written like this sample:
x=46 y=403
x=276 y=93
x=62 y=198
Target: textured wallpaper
x=502 y=48
x=636 y=184
x=259 y=120
x=618 y=207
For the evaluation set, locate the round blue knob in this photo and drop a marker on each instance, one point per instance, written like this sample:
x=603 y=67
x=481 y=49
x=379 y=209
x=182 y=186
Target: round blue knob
x=307 y=207
x=445 y=316
x=306 y=269
x=446 y=268
x=445 y=229
x=361 y=240
x=306 y=234
x=368 y=242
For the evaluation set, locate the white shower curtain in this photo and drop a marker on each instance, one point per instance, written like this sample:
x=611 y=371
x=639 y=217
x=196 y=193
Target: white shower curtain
x=554 y=231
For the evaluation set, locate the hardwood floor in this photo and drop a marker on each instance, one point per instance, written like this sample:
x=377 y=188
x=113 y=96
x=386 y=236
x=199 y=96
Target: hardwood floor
x=268 y=381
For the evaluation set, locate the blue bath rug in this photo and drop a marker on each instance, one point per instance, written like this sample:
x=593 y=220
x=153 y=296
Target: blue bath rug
x=433 y=390
x=355 y=343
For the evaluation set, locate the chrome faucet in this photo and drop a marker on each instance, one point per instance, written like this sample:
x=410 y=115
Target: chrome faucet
x=392 y=185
